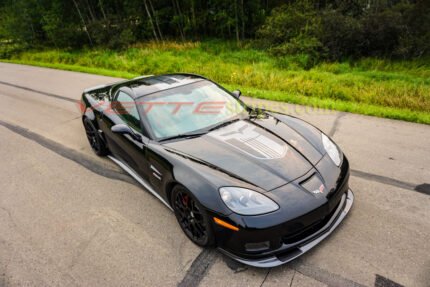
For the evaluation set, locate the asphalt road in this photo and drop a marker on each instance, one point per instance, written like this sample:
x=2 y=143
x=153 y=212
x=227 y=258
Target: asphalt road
x=70 y=218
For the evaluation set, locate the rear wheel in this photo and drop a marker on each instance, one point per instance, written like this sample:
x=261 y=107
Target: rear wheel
x=191 y=216
x=96 y=142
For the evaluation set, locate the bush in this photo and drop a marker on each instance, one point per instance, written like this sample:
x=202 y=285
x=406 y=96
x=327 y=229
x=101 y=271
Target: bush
x=342 y=35
x=415 y=42
x=292 y=29
x=307 y=48
x=348 y=30
x=382 y=32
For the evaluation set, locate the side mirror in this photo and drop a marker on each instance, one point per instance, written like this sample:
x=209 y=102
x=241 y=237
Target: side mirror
x=126 y=130
x=236 y=94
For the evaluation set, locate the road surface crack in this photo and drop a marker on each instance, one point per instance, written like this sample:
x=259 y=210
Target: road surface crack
x=336 y=124
x=265 y=277
x=198 y=268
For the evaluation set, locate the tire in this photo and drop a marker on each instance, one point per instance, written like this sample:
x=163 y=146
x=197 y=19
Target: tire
x=96 y=142
x=192 y=217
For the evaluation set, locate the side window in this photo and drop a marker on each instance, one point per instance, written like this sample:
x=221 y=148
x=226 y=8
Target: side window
x=126 y=108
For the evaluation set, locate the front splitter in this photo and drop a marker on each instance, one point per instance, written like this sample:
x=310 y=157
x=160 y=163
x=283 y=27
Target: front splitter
x=310 y=242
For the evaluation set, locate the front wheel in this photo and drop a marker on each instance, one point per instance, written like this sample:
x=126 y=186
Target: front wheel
x=96 y=142
x=192 y=218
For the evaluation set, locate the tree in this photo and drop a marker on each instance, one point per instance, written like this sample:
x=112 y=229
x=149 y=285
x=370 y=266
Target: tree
x=317 y=29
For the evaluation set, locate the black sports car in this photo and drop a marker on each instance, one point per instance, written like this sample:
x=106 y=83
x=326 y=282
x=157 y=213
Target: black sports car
x=263 y=187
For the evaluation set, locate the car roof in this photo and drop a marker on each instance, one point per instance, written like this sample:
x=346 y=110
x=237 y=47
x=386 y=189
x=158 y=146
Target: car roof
x=146 y=85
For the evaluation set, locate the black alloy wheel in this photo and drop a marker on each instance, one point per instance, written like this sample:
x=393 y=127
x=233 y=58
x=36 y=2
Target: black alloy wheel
x=192 y=217
x=94 y=138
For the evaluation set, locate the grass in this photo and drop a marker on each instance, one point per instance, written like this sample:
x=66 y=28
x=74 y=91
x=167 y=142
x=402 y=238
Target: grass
x=391 y=89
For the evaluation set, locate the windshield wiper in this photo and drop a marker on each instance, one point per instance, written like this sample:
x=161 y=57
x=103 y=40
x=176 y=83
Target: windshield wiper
x=223 y=124
x=182 y=136
x=256 y=113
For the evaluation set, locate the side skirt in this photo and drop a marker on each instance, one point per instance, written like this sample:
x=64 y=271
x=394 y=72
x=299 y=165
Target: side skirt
x=140 y=180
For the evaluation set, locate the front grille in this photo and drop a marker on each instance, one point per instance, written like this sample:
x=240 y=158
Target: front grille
x=308 y=230
x=335 y=195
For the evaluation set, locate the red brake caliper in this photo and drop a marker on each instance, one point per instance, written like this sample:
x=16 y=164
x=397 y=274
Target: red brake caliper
x=185 y=200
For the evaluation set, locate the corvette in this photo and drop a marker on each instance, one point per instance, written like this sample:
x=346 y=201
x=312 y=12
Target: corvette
x=262 y=187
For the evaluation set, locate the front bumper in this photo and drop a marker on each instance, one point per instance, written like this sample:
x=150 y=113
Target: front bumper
x=297 y=249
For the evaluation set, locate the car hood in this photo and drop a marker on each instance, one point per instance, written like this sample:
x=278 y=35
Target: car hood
x=267 y=152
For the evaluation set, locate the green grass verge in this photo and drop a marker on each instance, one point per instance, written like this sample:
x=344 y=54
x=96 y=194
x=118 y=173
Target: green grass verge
x=397 y=90
x=74 y=68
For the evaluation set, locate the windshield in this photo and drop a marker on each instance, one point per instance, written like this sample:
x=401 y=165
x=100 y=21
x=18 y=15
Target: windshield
x=190 y=108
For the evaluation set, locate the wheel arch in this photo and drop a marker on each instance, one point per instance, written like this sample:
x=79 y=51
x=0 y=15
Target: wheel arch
x=169 y=188
x=93 y=122
x=89 y=113
x=198 y=183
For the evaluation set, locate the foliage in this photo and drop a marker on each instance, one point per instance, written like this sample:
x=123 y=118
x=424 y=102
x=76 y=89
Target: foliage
x=292 y=30
x=349 y=29
x=291 y=21
x=343 y=36
x=388 y=88
x=312 y=30
x=366 y=56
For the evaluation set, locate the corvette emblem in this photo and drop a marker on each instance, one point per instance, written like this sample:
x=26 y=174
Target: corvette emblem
x=319 y=190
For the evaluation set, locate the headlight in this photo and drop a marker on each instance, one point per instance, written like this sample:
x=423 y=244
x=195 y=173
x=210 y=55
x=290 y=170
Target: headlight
x=246 y=202
x=331 y=149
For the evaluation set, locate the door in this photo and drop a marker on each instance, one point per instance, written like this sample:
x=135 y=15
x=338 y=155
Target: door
x=122 y=146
